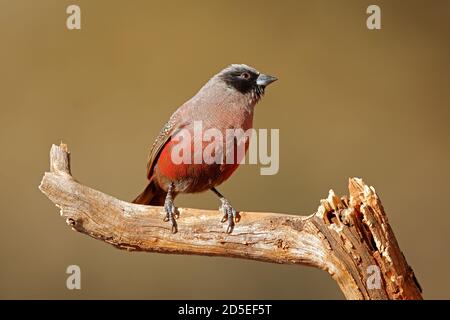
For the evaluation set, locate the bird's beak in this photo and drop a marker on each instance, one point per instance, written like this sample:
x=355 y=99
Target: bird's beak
x=265 y=80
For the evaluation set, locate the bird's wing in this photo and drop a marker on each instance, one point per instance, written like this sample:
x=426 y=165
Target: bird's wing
x=169 y=129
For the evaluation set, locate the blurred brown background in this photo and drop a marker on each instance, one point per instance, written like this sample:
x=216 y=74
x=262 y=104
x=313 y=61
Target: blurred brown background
x=349 y=102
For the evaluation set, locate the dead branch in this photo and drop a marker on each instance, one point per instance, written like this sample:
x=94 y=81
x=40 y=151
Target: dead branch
x=348 y=237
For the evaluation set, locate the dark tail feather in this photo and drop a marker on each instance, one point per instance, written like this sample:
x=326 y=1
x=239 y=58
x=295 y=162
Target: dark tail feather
x=152 y=195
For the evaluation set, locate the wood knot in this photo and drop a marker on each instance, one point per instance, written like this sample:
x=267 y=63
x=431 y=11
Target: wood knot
x=71 y=222
x=281 y=244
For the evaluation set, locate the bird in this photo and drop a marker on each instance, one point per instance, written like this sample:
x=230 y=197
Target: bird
x=226 y=101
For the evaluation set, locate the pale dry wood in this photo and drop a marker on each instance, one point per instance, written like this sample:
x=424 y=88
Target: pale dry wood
x=344 y=237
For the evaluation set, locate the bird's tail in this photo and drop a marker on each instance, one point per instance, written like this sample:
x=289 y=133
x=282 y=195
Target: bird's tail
x=152 y=195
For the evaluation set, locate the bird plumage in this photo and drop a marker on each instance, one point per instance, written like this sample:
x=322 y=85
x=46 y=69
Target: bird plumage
x=226 y=101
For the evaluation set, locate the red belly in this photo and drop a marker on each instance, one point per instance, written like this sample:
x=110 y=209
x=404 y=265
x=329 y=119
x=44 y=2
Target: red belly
x=191 y=177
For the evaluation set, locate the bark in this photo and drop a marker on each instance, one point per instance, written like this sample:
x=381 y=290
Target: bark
x=349 y=237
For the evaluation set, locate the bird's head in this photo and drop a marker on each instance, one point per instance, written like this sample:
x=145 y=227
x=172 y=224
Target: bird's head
x=246 y=80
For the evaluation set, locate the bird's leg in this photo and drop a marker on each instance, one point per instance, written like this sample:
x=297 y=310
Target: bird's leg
x=229 y=213
x=171 y=210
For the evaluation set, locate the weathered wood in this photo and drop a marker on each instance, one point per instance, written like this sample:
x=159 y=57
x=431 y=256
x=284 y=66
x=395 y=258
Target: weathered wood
x=348 y=237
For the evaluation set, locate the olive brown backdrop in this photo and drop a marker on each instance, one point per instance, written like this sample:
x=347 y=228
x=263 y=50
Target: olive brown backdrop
x=349 y=102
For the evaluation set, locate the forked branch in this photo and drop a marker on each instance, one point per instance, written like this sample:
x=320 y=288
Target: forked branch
x=348 y=237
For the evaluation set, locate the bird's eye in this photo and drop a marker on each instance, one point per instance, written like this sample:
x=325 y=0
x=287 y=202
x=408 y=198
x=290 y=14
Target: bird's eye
x=245 y=75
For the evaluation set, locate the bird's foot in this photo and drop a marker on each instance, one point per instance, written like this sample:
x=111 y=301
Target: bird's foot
x=229 y=214
x=171 y=214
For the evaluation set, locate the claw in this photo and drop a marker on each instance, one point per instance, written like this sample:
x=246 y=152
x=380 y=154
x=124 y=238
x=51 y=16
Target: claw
x=172 y=218
x=230 y=214
x=171 y=211
x=224 y=218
